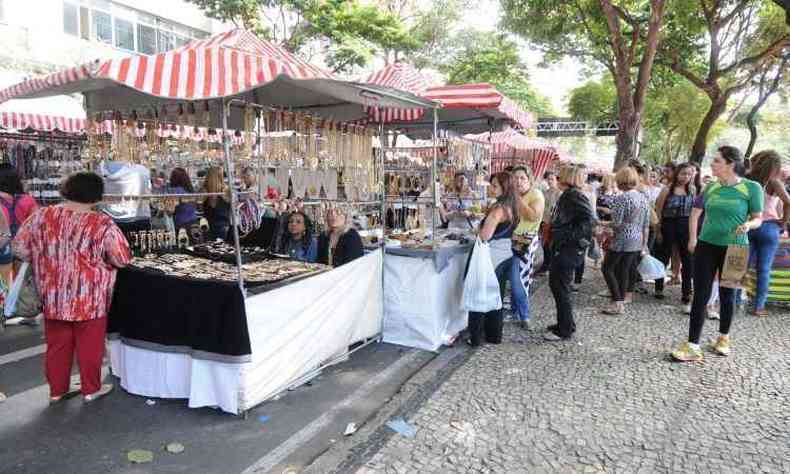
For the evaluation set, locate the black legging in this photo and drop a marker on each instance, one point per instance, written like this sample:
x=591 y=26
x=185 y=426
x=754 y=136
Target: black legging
x=617 y=271
x=675 y=233
x=709 y=261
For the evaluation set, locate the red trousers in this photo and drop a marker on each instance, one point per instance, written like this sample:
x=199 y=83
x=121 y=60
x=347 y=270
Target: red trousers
x=63 y=338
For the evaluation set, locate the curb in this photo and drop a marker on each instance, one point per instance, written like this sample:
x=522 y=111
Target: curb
x=353 y=452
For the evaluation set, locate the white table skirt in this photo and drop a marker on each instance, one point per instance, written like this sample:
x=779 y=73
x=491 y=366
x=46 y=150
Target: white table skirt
x=422 y=308
x=293 y=330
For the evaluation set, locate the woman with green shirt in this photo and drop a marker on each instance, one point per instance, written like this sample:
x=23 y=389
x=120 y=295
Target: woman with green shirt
x=733 y=206
x=530 y=204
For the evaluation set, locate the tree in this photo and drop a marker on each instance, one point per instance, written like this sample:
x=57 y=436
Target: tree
x=494 y=58
x=766 y=86
x=673 y=114
x=594 y=101
x=785 y=4
x=721 y=49
x=622 y=38
x=351 y=32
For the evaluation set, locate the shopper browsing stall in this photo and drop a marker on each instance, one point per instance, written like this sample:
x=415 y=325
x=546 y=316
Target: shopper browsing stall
x=17 y=206
x=630 y=223
x=733 y=207
x=75 y=253
x=530 y=205
x=340 y=243
x=497 y=230
x=673 y=208
x=551 y=194
x=571 y=234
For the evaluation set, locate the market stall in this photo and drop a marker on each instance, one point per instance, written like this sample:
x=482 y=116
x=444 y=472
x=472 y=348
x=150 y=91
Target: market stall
x=511 y=148
x=231 y=331
x=424 y=267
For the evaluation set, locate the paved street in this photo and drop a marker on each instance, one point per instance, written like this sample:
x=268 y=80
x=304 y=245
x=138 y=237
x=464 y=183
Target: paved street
x=607 y=402
x=277 y=436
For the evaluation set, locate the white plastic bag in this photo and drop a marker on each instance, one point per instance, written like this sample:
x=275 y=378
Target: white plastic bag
x=481 y=287
x=651 y=268
x=13 y=292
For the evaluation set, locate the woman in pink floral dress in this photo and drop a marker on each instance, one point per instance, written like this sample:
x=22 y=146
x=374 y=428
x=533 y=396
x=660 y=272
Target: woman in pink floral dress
x=75 y=253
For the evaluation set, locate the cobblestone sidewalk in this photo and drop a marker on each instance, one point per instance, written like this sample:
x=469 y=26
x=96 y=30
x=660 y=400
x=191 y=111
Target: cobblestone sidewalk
x=610 y=401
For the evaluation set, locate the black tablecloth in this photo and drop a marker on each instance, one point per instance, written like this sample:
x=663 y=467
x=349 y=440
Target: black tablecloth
x=204 y=318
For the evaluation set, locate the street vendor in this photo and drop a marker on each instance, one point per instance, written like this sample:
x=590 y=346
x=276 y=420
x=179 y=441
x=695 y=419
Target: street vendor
x=460 y=204
x=530 y=203
x=298 y=242
x=340 y=243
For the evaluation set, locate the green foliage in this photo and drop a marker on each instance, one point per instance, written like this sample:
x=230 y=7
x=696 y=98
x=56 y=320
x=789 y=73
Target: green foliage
x=433 y=27
x=595 y=101
x=672 y=117
x=494 y=58
x=353 y=32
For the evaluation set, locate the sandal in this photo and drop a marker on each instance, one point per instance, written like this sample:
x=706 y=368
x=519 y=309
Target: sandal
x=614 y=310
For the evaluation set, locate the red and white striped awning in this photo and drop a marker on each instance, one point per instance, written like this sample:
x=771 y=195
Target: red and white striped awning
x=483 y=97
x=400 y=76
x=511 y=148
x=460 y=103
x=41 y=123
x=224 y=65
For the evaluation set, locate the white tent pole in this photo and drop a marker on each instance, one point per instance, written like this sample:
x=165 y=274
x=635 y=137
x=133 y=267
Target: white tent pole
x=234 y=200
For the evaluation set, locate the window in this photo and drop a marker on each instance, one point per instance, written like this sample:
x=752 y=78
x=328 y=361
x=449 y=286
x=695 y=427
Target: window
x=146 y=39
x=102 y=26
x=181 y=41
x=124 y=34
x=70 y=20
x=85 y=23
x=167 y=41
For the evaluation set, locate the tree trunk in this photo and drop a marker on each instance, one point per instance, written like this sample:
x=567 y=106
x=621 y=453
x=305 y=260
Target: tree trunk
x=626 y=138
x=717 y=107
x=752 y=124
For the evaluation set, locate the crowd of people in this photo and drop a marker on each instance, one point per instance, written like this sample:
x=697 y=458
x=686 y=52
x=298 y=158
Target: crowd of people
x=674 y=214
x=681 y=218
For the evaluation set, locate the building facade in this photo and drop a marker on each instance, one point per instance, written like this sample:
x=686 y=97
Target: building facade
x=40 y=36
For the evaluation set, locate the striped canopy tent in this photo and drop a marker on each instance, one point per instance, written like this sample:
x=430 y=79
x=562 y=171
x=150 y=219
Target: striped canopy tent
x=468 y=108
x=400 y=76
x=19 y=121
x=235 y=64
x=511 y=148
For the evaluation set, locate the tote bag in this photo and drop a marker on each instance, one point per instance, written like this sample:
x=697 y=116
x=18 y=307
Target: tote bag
x=481 y=287
x=23 y=299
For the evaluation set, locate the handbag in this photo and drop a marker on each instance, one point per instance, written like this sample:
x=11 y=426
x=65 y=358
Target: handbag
x=481 y=292
x=736 y=264
x=23 y=298
x=521 y=243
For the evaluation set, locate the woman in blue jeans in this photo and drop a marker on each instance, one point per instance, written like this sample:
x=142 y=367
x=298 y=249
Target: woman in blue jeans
x=766 y=169
x=496 y=230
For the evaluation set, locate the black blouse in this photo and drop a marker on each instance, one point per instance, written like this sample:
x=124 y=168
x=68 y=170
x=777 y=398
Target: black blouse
x=349 y=247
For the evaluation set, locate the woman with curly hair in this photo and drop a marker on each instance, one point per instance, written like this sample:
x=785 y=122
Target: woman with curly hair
x=299 y=242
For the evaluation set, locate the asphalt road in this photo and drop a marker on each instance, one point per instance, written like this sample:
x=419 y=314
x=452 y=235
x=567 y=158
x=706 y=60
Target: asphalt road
x=277 y=436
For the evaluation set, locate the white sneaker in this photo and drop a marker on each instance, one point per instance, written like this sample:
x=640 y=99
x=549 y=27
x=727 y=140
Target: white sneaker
x=104 y=390
x=686 y=309
x=713 y=314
